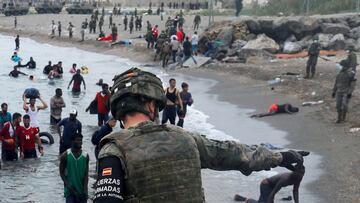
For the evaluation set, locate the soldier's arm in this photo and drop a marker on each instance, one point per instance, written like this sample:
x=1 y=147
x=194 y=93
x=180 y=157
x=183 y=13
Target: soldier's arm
x=231 y=155
x=110 y=175
x=335 y=87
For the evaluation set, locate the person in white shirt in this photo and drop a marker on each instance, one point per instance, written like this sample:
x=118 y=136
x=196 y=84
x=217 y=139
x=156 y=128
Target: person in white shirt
x=194 y=43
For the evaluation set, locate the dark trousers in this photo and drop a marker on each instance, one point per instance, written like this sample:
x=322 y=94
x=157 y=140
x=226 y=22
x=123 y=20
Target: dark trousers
x=9 y=155
x=311 y=65
x=74 y=199
x=30 y=154
x=63 y=148
x=169 y=113
x=181 y=115
x=174 y=55
x=342 y=102
x=102 y=118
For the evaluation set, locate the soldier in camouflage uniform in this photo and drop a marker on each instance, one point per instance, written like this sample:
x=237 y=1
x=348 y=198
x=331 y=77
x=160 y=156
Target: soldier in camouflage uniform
x=342 y=90
x=313 y=53
x=159 y=44
x=151 y=163
x=101 y=23
x=352 y=58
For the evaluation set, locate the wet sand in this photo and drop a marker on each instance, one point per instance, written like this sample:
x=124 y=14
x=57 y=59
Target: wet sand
x=306 y=130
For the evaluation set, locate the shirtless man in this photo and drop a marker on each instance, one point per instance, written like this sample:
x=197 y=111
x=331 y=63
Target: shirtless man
x=172 y=99
x=270 y=186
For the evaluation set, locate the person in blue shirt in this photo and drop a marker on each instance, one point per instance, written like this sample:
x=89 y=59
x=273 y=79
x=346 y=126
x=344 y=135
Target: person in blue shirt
x=102 y=132
x=187 y=100
x=5 y=116
x=71 y=127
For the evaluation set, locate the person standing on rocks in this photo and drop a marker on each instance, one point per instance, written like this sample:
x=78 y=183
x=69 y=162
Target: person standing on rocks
x=313 y=53
x=341 y=90
x=15 y=22
x=352 y=59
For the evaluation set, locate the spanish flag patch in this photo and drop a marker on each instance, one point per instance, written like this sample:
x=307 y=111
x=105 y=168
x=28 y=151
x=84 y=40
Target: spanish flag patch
x=107 y=172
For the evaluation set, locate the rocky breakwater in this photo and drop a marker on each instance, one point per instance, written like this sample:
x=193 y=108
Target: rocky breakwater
x=235 y=41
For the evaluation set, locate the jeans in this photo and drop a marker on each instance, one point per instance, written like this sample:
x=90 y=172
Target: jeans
x=169 y=113
x=174 y=55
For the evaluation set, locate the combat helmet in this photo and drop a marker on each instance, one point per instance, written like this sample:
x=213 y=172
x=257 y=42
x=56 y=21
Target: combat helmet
x=135 y=84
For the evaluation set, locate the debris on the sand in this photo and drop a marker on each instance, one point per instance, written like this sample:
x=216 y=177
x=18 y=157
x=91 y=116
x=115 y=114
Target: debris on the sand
x=196 y=61
x=275 y=81
x=354 y=130
x=312 y=103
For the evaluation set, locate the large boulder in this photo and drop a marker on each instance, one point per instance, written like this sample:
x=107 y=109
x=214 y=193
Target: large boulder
x=353 y=21
x=324 y=39
x=355 y=33
x=292 y=48
x=337 y=43
x=244 y=54
x=266 y=25
x=281 y=29
x=335 y=28
x=226 y=35
x=263 y=42
x=357 y=45
x=253 y=26
x=309 y=24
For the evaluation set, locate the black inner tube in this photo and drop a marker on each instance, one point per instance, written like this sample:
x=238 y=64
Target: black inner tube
x=49 y=140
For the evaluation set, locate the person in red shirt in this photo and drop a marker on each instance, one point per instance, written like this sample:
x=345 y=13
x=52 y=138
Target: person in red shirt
x=277 y=109
x=8 y=136
x=78 y=79
x=28 y=136
x=180 y=35
x=155 y=32
x=101 y=99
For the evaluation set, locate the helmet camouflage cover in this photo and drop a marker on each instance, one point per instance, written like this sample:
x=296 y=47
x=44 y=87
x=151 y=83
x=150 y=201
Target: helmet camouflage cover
x=135 y=83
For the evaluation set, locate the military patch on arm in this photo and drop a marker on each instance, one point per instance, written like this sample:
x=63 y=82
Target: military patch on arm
x=109 y=186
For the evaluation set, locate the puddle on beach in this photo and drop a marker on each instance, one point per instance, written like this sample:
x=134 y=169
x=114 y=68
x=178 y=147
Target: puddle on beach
x=39 y=181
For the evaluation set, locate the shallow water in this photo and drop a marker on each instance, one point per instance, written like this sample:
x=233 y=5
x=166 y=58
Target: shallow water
x=39 y=180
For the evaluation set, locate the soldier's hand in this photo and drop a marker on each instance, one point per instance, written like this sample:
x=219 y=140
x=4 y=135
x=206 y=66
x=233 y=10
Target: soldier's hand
x=292 y=157
x=333 y=95
x=349 y=96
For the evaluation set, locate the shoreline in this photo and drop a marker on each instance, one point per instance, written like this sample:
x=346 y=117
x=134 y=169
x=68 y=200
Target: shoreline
x=325 y=142
x=317 y=136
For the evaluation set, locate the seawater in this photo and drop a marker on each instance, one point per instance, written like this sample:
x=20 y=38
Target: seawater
x=39 y=180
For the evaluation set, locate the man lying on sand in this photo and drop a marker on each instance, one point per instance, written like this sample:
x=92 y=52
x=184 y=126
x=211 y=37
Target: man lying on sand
x=277 y=109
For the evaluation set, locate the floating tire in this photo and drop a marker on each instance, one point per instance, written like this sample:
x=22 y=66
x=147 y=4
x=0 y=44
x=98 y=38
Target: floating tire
x=49 y=138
